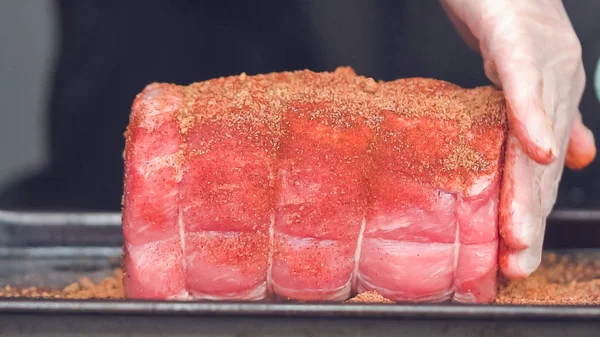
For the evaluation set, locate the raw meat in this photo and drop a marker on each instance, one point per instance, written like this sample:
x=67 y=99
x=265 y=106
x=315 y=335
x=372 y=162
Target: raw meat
x=314 y=187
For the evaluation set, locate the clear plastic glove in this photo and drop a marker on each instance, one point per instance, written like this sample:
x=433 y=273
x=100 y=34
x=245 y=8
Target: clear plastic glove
x=531 y=51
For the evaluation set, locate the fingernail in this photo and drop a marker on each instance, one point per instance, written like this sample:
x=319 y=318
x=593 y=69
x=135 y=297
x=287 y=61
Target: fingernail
x=549 y=139
x=542 y=133
x=526 y=261
x=554 y=147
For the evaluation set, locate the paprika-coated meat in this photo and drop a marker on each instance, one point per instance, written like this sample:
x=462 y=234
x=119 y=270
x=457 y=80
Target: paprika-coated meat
x=313 y=186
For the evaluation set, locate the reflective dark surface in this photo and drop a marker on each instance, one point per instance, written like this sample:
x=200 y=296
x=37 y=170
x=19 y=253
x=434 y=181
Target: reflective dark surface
x=53 y=250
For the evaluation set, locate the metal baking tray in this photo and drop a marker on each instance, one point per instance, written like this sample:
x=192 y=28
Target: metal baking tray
x=54 y=249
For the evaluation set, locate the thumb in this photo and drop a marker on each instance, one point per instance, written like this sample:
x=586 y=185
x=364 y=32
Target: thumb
x=582 y=146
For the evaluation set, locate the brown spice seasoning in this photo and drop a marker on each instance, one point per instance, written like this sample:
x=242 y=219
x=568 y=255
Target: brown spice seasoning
x=369 y=297
x=109 y=288
x=254 y=106
x=560 y=280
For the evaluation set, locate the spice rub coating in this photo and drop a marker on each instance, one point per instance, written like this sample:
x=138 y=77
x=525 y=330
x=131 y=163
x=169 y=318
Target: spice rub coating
x=473 y=120
x=274 y=184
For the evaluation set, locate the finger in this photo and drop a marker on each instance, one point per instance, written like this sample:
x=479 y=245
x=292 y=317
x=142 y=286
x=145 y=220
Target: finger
x=520 y=213
x=518 y=264
x=582 y=147
x=529 y=122
x=527 y=196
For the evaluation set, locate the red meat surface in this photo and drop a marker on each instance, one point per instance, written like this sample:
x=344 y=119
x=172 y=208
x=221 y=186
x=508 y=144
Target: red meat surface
x=313 y=187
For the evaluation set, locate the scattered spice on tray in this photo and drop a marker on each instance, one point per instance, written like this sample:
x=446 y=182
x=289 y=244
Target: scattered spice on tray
x=559 y=280
x=109 y=288
x=369 y=297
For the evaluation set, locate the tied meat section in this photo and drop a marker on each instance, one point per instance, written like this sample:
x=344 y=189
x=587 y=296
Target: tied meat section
x=313 y=187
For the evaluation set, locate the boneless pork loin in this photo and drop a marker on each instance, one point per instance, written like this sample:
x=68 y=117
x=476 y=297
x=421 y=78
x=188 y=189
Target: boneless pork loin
x=313 y=186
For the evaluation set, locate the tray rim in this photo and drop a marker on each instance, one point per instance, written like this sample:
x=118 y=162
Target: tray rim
x=12 y=306
x=301 y=310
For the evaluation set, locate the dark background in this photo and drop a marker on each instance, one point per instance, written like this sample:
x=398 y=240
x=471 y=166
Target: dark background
x=107 y=51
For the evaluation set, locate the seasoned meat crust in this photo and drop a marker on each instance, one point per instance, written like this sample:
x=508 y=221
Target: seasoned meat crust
x=313 y=186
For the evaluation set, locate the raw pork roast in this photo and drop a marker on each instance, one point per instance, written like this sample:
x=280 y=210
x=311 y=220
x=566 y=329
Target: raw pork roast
x=313 y=186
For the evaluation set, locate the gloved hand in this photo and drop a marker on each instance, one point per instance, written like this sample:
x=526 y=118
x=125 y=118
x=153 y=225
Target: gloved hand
x=531 y=51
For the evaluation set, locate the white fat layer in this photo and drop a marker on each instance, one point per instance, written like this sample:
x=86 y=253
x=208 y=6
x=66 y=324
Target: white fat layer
x=338 y=294
x=183 y=295
x=480 y=185
x=397 y=223
x=257 y=293
x=152 y=165
x=399 y=296
x=464 y=298
x=154 y=111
